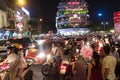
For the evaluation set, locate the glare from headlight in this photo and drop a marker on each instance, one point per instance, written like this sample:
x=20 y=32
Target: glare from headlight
x=41 y=42
x=77 y=50
x=88 y=43
x=41 y=55
x=48 y=56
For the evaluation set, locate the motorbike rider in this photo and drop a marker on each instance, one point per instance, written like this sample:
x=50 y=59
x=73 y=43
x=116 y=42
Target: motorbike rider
x=54 y=51
x=12 y=60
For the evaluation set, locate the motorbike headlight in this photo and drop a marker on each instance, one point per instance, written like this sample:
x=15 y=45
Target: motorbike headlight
x=87 y=43
x=77 y=50
x=41 y=55
x=48 y=56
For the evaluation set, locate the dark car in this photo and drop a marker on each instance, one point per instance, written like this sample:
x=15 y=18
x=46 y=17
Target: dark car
x=3 y=45
x=26 y=42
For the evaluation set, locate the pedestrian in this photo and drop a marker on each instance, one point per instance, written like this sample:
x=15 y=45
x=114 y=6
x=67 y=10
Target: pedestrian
x=95 y=68
x=109 y=65
x=80 y=69
x=114 y=53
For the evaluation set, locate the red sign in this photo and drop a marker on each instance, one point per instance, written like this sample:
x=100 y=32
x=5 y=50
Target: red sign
x=117 y=14
x=117 y=22
x=73 y=3
x=117 y=28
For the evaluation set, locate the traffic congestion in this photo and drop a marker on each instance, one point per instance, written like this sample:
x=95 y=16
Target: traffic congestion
x=64 y=54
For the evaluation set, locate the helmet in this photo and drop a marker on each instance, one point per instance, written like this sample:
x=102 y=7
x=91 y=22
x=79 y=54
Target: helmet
x=13 y=48
x=21 y=47
x=16 y=45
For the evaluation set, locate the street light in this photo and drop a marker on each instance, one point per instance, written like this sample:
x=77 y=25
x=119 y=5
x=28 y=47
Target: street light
x=40 y=19
x=20 y=2
x=104 y=24
x=100 y=14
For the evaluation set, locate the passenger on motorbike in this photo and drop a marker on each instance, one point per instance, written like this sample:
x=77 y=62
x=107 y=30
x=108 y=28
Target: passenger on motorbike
x=54 y=51
x=22 y=63
x=12 y=60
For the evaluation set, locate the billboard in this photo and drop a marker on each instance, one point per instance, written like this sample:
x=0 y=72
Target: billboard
x=117 y=22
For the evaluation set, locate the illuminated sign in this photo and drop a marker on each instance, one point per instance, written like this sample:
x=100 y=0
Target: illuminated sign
x=18 y=13
x=73 y=3
x=25 y=11
x=117 y=22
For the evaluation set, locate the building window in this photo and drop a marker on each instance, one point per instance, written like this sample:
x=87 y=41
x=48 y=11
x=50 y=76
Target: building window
x=3 y=20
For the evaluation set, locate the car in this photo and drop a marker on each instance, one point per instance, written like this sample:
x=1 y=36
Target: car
x=3 y=45
x=26 y=42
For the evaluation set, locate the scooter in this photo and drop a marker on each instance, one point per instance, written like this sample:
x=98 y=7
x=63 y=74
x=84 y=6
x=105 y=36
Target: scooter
x=66 y=69
x=48 y=66
x=63 y=67
x=4 y=72
x=63 y=70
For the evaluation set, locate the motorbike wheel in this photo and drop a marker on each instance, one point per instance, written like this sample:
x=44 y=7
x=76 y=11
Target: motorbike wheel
x=46 y=70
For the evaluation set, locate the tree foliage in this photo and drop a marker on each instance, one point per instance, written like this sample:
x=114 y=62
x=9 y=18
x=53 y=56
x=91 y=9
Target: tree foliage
x=34 y=26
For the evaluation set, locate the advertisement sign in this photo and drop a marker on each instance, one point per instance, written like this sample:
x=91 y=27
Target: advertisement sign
x=25 y=11
x=117 y=28
x=117 y=14
x=117 y=22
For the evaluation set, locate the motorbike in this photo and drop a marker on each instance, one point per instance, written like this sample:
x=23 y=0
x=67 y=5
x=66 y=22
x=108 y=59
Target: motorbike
x=64 y=70
x=4 y=71
x=48 y=66
x=63 y=67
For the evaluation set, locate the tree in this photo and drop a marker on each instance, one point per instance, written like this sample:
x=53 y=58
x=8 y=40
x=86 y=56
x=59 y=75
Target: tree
x=34 y=26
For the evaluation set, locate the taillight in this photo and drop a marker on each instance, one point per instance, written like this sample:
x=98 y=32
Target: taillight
x=63 y=67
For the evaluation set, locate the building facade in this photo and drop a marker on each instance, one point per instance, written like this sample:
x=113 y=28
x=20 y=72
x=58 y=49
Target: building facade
x=3 y=18
x=72 y=17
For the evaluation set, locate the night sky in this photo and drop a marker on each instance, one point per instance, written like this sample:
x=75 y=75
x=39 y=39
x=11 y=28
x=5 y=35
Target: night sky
x=46 y=9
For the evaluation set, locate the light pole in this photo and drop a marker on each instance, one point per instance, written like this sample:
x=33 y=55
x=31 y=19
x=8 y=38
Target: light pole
x=104 y=25
x=40 y=19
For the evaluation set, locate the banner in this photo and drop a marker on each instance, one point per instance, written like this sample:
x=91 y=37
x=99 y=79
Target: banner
x=117 y=22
